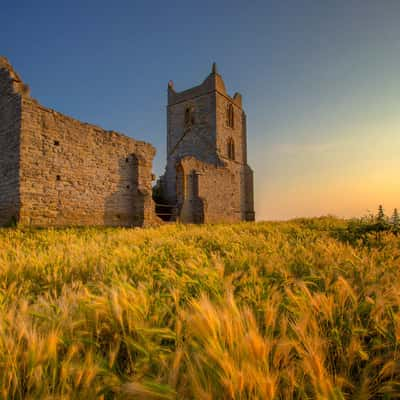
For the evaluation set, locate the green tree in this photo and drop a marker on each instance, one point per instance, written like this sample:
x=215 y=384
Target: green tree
x=395 y=220
x=381 y=218
x=381 y=223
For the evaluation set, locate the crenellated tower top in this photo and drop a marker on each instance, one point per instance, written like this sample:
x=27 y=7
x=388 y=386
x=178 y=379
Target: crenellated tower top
x=212 y=83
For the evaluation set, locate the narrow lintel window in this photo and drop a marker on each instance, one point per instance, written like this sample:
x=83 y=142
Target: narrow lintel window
x=231 y=149
x=56 y=143
x=230 y=116
x=58 y=178
x=189 y=117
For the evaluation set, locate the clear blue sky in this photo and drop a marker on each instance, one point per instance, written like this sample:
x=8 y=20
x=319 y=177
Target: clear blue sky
x=320 y=80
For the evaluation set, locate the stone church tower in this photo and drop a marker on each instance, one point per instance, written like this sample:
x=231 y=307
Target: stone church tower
x=207 y=176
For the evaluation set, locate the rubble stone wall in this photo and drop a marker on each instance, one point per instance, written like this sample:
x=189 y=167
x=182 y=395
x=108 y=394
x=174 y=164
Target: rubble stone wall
x=212 y=193
x=74 y=173
x=10 y=118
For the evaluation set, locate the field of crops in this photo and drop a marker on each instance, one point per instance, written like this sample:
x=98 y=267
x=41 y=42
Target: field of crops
x=249 y=311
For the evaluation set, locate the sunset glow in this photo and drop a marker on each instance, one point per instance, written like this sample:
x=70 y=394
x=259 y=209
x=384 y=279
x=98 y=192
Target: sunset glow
x=320 y=84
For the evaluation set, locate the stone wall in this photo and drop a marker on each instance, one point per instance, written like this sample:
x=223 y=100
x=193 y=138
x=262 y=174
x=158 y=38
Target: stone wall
x=10 y=115
x=248 y=194
x=55 y=170
x=74 y=173
x=216 y=197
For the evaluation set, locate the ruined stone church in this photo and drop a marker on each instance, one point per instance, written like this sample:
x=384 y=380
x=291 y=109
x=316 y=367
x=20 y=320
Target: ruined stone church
x=207 y=175
x=57 y=171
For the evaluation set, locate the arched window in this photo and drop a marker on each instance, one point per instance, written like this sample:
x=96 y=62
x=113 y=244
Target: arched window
x=231 y=149
x=230 y=116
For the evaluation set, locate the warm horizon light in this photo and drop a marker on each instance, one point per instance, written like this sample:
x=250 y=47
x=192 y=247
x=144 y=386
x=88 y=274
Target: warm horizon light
x=319 y=80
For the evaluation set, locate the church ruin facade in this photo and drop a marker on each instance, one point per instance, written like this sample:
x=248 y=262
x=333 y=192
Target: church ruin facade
x=57 y=171
x=207 y=175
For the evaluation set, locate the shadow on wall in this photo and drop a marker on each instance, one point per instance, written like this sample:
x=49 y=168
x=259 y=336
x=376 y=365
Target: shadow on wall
x=10 y=126
x=125 y=207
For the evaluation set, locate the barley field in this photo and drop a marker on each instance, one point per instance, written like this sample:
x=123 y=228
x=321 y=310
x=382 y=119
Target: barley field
x=289 y=310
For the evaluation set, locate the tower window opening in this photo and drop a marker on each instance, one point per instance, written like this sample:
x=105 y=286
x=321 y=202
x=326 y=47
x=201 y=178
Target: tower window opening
x=189 y=117
x=230 y=116
x=231 y=149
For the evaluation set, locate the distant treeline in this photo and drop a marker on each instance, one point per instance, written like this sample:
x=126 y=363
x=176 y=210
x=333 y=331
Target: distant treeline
x=369 y=229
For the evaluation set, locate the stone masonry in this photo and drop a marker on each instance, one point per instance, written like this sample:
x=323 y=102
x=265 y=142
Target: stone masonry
x=57 y=171
x=207 y=176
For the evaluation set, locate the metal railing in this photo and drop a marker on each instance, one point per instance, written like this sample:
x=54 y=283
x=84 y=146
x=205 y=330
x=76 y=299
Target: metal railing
x=166 y=210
